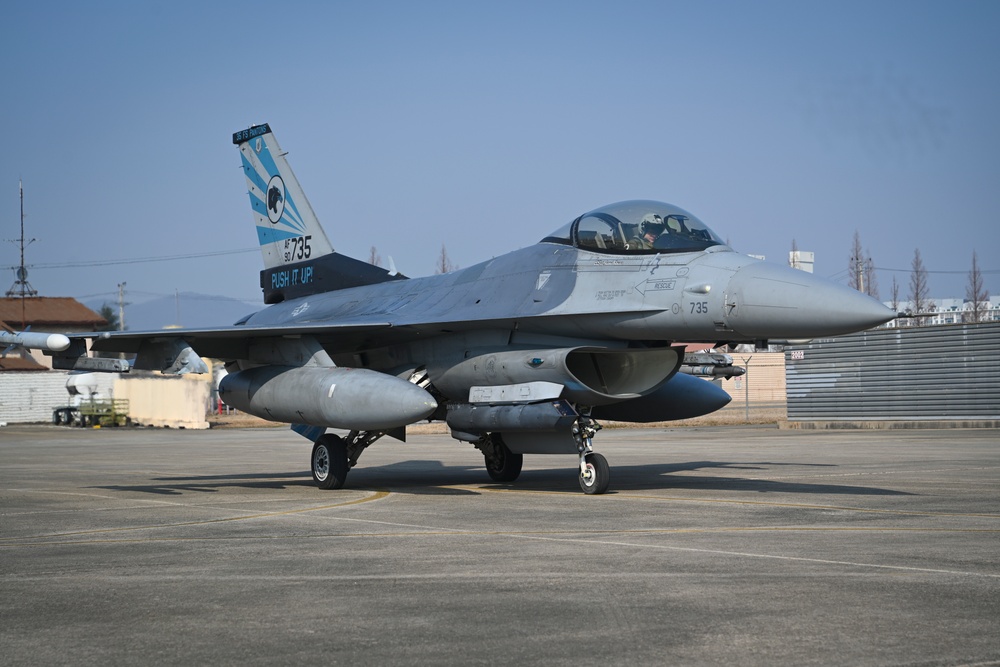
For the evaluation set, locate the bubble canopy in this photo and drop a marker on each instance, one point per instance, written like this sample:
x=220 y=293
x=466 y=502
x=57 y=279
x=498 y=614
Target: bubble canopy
x=637 y=227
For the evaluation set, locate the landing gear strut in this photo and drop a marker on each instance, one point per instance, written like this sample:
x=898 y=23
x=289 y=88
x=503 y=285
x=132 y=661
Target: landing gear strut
x=595 y=474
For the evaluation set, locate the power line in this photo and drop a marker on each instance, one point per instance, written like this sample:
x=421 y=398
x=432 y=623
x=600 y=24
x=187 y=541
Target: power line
x=139 y=260
x=881 y=268
x=185 y=296
x=844 y=272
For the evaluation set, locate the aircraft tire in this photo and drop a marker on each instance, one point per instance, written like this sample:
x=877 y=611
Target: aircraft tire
x=329 y=462
x=509 y=467
x=600 y=475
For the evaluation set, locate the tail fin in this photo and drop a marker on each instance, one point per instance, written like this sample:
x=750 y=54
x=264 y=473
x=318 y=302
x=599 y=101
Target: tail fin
x=287 y=228
x=298 y=258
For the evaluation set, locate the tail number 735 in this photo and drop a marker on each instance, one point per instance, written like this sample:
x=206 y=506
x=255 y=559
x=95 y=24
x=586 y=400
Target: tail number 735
x=298 y=247
x=699 y=307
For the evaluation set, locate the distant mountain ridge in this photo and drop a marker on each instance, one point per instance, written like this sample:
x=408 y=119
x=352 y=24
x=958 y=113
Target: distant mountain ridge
x=187 y=309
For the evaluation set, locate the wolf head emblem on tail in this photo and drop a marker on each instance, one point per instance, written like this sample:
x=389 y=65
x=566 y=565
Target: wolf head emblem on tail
x=275 y=199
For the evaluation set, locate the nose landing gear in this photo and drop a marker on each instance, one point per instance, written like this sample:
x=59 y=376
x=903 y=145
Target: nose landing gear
x=595 y=474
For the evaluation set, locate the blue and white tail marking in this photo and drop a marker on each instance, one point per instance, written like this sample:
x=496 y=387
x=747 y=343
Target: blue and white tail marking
x=287 y=228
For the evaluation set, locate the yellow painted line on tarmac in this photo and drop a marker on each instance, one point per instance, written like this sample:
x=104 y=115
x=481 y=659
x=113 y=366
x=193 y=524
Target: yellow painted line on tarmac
x=375 y=495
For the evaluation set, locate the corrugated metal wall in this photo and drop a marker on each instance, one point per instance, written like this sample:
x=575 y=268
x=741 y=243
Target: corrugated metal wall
x=31 y=396
x=920 y=373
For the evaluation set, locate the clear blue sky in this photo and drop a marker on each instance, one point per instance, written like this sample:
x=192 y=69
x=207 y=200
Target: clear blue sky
x=484 y=126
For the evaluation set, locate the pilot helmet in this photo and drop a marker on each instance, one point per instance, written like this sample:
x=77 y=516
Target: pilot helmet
x=651 y=222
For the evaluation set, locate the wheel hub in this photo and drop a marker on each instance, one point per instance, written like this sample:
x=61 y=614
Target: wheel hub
x=321 y=463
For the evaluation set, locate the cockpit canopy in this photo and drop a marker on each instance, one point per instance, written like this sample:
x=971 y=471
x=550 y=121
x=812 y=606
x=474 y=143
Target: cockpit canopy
x=635 y=228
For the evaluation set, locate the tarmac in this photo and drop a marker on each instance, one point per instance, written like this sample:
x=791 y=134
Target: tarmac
x=715 y=545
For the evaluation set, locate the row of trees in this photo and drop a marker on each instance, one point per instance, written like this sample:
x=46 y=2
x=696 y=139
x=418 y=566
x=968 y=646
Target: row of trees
x=862 y=277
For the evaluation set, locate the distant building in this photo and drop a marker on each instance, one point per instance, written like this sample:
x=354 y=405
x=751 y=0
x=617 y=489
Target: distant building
x=48 y=314
x=14 y=361
x=802 y=260
x=949 y=311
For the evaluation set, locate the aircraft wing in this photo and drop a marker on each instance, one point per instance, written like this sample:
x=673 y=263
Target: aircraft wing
x=229 y=342
x=178 y=350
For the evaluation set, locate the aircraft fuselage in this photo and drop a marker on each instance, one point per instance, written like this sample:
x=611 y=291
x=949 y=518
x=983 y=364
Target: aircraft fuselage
x=715 y=295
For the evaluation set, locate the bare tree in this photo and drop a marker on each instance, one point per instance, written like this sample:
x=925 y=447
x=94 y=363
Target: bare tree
x=444 y=264
x=374 y=258
x=919 y=290
x=861 y=269
x=855 y=267
x=895 y=294
x=871 y=281
x=976 y=293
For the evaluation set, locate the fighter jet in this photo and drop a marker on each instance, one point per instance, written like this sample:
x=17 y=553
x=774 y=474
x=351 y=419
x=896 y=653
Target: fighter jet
x=525 y=353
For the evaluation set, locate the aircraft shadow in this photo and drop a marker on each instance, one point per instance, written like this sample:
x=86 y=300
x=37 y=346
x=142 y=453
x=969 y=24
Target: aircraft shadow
x=172 y=486
x=659 y=476
x=431 y=477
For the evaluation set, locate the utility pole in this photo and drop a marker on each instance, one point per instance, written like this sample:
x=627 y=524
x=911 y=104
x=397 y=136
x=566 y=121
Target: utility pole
x=121 y=306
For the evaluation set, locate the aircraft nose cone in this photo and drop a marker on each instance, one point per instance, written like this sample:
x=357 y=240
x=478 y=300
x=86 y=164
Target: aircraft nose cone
x=772 y=301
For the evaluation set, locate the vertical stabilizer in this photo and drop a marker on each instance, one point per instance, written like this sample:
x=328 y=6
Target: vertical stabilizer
x=287 y=228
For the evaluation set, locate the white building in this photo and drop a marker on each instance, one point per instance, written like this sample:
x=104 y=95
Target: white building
x=949 y=311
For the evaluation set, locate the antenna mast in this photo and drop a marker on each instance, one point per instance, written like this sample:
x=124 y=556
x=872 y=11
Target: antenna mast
x=21 y=286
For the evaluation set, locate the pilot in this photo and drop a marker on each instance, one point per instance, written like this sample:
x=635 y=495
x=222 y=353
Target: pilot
x=649 y=230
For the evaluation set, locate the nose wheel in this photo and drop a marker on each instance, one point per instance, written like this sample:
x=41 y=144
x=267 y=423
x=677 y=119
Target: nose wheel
x=595 y=474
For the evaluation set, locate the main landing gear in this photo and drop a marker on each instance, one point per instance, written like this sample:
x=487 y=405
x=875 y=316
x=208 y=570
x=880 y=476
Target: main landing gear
x=333 y=456
x=504 y=466
x=329 y=462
